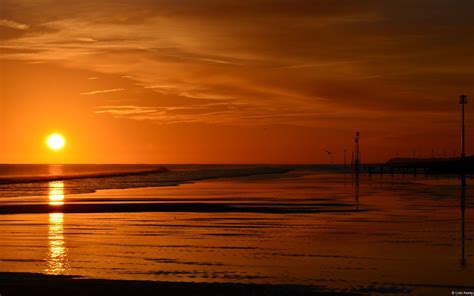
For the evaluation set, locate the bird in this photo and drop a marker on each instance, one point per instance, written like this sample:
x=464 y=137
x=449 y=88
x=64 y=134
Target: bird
x=329 y=153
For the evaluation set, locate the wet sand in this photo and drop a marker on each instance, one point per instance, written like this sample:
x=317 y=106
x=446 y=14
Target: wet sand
x=313 y=232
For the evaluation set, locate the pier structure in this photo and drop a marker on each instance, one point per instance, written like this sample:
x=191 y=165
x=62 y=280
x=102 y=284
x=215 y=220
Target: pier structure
x=433 y=165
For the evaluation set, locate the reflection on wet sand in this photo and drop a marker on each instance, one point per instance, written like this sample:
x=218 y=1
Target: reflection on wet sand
x=356 y=189
x=57 y=252
x=463 y=207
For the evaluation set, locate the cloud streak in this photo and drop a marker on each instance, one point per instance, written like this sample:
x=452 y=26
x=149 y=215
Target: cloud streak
x=13 y=24
x=101 y=91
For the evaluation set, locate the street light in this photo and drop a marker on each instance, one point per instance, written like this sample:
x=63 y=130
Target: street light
x=462 y=101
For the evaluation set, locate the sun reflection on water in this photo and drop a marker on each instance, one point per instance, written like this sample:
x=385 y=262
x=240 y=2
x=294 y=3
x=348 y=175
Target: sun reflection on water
x=57 y=252
x=56 y=193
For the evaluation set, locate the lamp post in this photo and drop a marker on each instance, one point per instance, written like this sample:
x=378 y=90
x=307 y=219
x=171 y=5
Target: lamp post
x=344 y=158
x=357 y=169
x=462 y=101
x=357 y=154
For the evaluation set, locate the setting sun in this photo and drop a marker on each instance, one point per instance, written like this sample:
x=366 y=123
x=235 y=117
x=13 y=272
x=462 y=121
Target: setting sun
x=55 y=141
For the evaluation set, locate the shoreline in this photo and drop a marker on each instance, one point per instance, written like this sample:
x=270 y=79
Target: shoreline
x=178 y=207
x=25 y=283
x=134 y=183
x=22 y=283
x=16 y=180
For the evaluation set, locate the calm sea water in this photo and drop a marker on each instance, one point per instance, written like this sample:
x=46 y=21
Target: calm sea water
x=311 y=225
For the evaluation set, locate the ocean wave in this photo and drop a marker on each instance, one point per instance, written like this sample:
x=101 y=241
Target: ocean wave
x=89 y=183
x=33 y=179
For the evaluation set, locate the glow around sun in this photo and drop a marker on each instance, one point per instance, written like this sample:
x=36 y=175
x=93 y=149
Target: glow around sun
x=55 y=141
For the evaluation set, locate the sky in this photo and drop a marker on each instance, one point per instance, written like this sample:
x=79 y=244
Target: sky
x=175 y=81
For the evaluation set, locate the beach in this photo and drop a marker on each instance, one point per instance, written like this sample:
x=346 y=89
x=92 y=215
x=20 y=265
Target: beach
x=253 y=230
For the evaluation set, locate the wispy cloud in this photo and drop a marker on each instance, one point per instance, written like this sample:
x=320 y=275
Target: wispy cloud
x=317 y=65
x=227 y=113
x=86 y=39
x=125 y=110
x=101 y=91
x=216 y=61
x=13 y=24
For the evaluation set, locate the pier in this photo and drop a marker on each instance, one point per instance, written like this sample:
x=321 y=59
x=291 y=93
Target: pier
x=421 y=166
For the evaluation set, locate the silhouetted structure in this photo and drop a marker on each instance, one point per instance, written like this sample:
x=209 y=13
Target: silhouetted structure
x=462 y=101
x=345 y=163
x=356 y=168
x=433 y=165
x=357 y=154
x=427 y=165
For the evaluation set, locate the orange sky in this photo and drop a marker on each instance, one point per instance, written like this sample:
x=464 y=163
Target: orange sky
x=229 y=82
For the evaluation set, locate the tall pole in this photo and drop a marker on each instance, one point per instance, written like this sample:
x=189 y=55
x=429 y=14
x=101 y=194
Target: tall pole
x=356 y=167
x=462 y=101
x=356 y=154
x=344 y=158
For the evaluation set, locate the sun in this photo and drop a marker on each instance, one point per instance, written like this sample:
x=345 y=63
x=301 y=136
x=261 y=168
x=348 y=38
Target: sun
x=55 y=141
